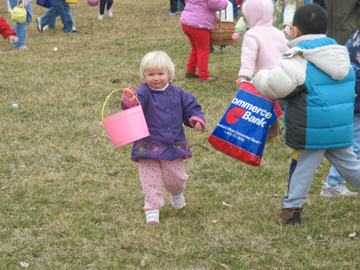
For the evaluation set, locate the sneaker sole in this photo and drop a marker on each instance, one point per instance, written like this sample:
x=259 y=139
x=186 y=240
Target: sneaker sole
x=39 y=25
x=179 y=207
x=326 y=195
x=153 y=223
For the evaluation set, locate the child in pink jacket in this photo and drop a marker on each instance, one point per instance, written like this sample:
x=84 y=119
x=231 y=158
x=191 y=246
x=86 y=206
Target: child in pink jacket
x=263 y=46
x=197 y=19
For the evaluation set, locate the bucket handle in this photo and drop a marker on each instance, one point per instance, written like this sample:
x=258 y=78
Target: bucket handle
x=103 y=108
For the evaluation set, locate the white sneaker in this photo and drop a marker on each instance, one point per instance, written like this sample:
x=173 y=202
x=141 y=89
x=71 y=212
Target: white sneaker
x=178 y=201
x=100 y=17
x=109 y=12
x=152 y=216
x=331 y=191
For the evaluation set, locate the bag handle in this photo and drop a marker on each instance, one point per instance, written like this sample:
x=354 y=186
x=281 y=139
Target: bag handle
x=102 y=111
x=19 y=3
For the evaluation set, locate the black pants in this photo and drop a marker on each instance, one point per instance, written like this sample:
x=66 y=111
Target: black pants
x=173 y=5
x=103 y=3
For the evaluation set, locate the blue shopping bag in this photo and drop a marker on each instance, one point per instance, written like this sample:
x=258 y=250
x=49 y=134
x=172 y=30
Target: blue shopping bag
x=45 y=3
x=242 y=131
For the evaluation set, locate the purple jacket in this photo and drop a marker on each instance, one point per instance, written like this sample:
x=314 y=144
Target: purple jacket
x=202 y=13
x=165 y=112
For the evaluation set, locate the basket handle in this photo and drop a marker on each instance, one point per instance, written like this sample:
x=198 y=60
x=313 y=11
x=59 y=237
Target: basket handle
x=220 y=17
x=103 y=108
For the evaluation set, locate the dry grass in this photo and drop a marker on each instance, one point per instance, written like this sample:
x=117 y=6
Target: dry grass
x=68 y=200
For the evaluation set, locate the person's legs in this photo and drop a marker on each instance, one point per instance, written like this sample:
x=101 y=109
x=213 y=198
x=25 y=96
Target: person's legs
x=235 y=9
x=303 y=166
x=102 y=7
x=21 y=28
x=334 y=179
x=302 y=169
x=175 y=181
x=65 y=14
x=150 y=177
x=109 y=4
x=180 y=5
x=346 y=163
x=50 y=17
x=173 y=6
x=200 y=42
x=192 y=62
x=174 y=176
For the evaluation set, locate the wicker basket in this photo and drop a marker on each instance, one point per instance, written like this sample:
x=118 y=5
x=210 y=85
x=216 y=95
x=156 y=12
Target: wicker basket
x=222 y=33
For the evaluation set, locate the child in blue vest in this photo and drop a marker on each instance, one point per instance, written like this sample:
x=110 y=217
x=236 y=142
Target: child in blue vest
x=317 y=83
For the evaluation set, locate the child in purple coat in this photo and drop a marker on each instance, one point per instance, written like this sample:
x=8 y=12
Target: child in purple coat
x=166 y=109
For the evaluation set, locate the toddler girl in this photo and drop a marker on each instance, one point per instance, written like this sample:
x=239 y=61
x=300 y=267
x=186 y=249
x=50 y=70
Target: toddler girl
x=166 y=108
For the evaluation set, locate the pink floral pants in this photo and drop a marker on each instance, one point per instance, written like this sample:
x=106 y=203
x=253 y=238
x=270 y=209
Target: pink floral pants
x=173 y=174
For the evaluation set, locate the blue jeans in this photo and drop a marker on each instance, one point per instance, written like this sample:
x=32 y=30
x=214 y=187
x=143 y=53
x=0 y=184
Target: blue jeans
x=62 y=9
x=180 y=6
x=20 y=28
x=235 y=9
x=334 y=178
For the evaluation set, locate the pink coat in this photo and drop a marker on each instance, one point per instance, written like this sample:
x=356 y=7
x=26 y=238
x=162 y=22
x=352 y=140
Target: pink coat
x=263 y=45
x=202 y=13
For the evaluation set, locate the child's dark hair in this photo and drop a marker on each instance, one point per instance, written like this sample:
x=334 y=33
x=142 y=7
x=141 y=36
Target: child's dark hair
x=311 y=19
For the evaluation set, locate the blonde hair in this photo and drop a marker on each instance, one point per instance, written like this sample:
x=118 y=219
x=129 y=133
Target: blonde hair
x=157 y=60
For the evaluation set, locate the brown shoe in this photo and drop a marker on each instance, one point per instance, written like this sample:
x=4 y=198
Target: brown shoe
x=290 y=216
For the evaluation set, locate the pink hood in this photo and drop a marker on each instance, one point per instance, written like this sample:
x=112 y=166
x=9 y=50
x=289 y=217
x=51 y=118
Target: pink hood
x=263 y=45
x=258 y=12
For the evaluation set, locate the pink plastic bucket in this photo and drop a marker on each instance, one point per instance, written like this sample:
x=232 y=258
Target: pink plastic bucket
x=127 y=126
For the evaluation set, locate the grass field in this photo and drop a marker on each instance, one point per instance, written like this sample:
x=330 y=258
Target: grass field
x=69 y=200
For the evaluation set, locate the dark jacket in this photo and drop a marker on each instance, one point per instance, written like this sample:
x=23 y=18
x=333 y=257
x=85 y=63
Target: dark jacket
x=353 y=46
x=342 y=16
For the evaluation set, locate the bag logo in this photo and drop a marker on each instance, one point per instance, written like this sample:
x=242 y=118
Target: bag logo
x=248 y=112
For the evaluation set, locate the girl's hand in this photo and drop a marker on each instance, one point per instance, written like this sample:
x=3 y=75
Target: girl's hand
x=128 y=92
x=197 y=125
x=239 y=81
